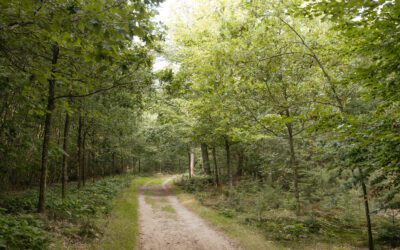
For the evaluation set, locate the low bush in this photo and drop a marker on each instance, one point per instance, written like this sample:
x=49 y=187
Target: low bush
x=295 y=231
x=20 y=230
x=272 y=211
x=389 y=233
x=194 y=184
x=312 y=225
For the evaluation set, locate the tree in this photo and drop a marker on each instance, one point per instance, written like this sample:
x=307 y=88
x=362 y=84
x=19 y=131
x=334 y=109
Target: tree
x=64 y=43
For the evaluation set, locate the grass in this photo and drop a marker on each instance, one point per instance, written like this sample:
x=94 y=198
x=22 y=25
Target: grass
x=151 y=201
x=168 y=209
x=122 y=228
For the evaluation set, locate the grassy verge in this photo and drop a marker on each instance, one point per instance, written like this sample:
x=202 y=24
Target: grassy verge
x=122 y=227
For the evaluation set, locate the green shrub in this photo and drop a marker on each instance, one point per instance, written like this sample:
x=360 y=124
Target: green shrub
x=22 y=232
x=79 y=208
x=194 y=184
x=89 y=230
x=296 y=230
x=389 y=233
x=312 y=225
x=229 y=213
x=19 y=203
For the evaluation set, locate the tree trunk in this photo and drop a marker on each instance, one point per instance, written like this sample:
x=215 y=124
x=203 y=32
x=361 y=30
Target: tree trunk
x=47 y=131
x=94 y=164
x=65 y=156
x=206 y=162
x=189 y=158
x=293 y=164
x=139 y=166
x=133 y=165
x=240 y=157
x=228 y=162
x=215 y=166
x=79 y=155
x=192 y=162
x=367 y=213
x=83 y=169
x=113 y=163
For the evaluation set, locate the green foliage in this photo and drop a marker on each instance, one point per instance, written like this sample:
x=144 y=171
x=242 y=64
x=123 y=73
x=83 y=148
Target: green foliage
x=78 y=211
x=195 y=184
x=389 y=233
x=295 y=230
x=89 y=202
x=312 y=224
x=22 y=232
x=271 y=211
x=101 y=74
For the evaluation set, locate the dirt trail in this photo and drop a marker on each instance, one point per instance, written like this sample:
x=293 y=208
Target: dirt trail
x=166 y=224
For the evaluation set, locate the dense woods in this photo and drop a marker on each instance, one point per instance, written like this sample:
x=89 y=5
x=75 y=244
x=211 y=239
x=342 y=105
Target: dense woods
x=285 y=114
x=73 y=74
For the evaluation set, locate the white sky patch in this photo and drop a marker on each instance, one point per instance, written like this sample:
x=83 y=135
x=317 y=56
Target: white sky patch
x=160 y=63
x=166 y=12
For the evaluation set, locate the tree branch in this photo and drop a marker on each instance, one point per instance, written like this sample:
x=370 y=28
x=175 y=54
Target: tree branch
x=316 y=58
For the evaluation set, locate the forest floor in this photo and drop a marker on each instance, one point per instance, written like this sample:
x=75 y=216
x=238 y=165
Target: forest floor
x=166 y=224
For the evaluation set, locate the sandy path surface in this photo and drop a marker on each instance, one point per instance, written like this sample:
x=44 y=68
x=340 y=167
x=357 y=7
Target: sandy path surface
x=166 y=224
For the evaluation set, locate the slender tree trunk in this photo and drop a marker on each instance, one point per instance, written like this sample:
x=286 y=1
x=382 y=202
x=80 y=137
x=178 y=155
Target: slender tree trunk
x=113 y=163
x=228 y=162
x=65 y=156
x=206 y=161
x=57 y=176
x=189 y=158
x=192 y=162
x=293 y=164
x=47 y=131
x=79 y=156
x=94 y=164
x=139 y=166
x=240 y=164
x=133 y=165
x=215 y=166
x=83 y=170
x=367 y=213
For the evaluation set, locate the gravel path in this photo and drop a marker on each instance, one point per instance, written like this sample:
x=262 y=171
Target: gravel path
x=166 y=224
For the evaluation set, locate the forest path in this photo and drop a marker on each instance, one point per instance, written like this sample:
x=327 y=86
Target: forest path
x=166 y=224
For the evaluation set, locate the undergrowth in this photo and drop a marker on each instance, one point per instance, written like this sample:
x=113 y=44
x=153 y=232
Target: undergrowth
x=72 y=219
x=337 y=218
